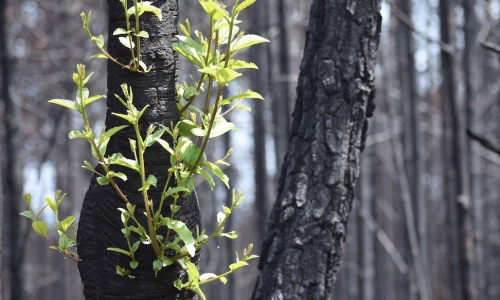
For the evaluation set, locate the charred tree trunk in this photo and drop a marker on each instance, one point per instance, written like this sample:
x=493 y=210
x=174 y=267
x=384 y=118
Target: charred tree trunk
x=11 y=180
x=100 y=224
x=307 y=227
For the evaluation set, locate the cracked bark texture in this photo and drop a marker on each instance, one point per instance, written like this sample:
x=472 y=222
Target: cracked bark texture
x=99 y=226
x=303 y=249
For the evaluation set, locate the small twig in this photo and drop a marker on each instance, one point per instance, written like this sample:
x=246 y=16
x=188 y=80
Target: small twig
x=406 y=20
x=491 y=47
x=483 y=141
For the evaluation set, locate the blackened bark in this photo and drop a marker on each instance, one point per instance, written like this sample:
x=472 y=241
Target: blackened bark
x=307 y=227
x=12 y=172
x=100 y=224
x=459 y=197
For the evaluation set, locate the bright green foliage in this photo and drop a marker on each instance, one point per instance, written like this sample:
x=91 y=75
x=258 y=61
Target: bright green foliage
x=214 y=55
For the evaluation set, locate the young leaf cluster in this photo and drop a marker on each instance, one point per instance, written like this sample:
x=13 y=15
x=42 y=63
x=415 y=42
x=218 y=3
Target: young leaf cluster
x=214 y=55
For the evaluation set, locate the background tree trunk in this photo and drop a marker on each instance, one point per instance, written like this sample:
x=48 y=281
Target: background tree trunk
x=459 y=197
x=307 y=227
x=100 y=223
x=259 y=18
x=11 y=181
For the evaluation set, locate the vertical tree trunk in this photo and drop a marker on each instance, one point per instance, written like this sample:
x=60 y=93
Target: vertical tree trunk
x=100 y=224
x=307 y=227
x=11 y=181
x=259 y=16
x=365 y=235
x=281 y=95
x=471 y=82
x=460 y=196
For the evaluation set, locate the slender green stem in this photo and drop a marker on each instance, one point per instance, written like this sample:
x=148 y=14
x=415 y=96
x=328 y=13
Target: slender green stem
x=151 y=227
x=129 y=36
x=96 y=148
x=216 y=277
x=137 y=30
x=163 y=197
x=210 y=126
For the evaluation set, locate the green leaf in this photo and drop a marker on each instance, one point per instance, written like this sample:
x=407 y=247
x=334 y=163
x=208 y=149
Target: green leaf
x=223 y=280
x=214 y=10
x=135 y=246
x=209 y=71
x=99 y=55
x=77 y=134
x=119 y=250
x=185 y=234
x=226 y=210
x=151 y=139
x=178 y=284
x=143 y=34
x=237 y=265
x=119 y=31
x=152 y=180
x=243 y=5
x=145 y=6
x=134 y=264
x=102 y=180
x=229 y=235
x=26 y=214
x=98 y=40
x=220 y=217
x=247 y=41
x=207 y=276
x=165 y=145
x=66 y=103
x=226 y=75
x=51 y=204
x=189 y=128
x=125 y=117
x=207 y=177
x=157 y=265
x=66 y=223
x=125 y=41
x=40 y=227
x=246 y=95
x=217 y=171
x=185 y=30
x=82 y=95
x=221 y=126
x=109 y=133
x=94 y=98
x=27 y=199
x=189 y=52
x=118 y=159
x=63 y=241
x=119 y=175
x=194 y=278
x=189 y=93
x=88 y=166
x=176 y=190
x=241 y=64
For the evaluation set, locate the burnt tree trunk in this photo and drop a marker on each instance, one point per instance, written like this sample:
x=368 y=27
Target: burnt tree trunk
x=99 y=226
x=307 y=227
x=12 y=173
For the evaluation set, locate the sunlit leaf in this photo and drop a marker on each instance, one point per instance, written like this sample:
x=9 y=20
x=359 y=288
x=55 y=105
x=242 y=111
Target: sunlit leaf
x=247 y=41
x=40 y=227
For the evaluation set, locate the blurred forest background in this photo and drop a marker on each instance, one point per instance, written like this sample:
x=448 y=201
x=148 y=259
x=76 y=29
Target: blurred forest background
x=426 y=213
